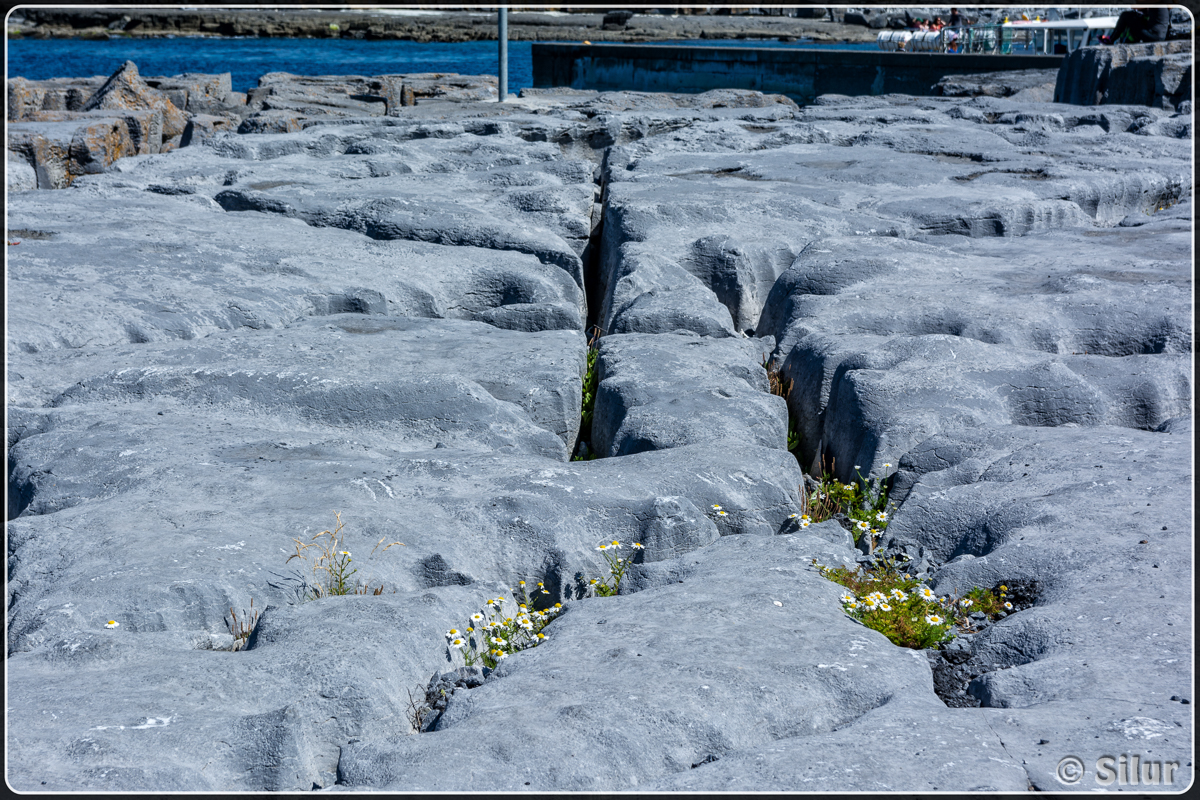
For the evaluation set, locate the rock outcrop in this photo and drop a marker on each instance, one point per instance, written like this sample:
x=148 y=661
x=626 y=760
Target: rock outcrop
x=1157 y=74
x=984 y=303
x=64 y=127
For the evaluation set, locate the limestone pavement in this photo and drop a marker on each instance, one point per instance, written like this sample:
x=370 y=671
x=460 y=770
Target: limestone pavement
x=384 y=312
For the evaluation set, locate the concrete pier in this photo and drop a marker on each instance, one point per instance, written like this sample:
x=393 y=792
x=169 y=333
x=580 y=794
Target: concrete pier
x=801 y=74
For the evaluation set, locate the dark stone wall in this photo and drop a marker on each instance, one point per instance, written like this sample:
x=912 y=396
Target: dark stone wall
x=799 y=74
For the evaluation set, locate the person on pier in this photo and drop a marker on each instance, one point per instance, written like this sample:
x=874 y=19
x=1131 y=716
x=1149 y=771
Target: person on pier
x=1140 y=25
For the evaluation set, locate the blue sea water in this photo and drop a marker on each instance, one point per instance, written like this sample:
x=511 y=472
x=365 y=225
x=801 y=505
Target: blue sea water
x=249 y=58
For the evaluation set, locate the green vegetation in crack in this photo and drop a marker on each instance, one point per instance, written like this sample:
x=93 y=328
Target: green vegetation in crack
x=591 y=382
x=508 y=625
x=907 y=611
x=863 y=505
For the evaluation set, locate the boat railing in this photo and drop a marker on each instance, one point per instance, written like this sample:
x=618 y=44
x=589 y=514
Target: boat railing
x=1020 y=38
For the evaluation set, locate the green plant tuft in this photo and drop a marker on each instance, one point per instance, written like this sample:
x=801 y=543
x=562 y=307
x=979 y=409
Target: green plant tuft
x=905 y=610
x=610 y=586
x=591 y=382
x=782 y=387
x=333 y=575
x=498 y=630
x=864 y=503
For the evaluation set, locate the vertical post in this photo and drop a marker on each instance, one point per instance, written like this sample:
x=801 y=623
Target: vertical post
x=502 y=22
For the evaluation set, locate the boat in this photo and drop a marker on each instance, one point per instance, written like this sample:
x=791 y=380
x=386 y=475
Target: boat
x=1023 y=37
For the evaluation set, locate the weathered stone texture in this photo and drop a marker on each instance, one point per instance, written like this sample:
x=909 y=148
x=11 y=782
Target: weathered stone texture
x=384 y=310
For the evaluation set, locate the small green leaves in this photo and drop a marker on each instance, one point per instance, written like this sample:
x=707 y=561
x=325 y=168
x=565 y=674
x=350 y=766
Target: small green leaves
x=864 y=502
x=617 y=565
x=907 y=611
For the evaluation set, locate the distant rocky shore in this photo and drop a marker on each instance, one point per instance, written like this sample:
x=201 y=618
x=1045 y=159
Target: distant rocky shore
x=848 y=25
x=430 y=26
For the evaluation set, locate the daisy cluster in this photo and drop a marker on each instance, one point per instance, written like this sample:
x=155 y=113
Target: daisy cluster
x=907 y=611
x=864 y=503
x=617 y=565
x=498 y=630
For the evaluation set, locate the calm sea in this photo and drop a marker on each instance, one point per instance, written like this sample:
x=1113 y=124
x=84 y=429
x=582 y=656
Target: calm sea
x=248 y=58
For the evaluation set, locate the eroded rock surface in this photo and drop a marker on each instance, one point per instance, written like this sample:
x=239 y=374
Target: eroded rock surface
x=385 y=313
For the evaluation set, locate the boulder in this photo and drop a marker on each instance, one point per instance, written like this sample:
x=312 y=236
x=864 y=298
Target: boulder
x=125 y=90
x=202 y=127
x=271 y=121
x=1000 y=84
x=397 y=94
x=26 y=98
x=60 y=151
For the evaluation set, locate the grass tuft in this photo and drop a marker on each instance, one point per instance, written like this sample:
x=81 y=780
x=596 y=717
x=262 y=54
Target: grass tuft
x=332 y=570
x=782 y=387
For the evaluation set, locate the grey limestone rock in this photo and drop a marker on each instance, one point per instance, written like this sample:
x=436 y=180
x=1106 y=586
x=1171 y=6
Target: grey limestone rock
x=660 y=391
x=1019 y=84
x=126 y=90
x=20 y=176
x=983 y=303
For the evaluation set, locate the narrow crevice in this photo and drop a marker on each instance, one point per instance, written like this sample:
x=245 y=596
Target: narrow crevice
x=591 y=384
x=592 y=283
x=593 y=287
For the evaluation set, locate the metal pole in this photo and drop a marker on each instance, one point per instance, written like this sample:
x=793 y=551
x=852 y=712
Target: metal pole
x=502 y=21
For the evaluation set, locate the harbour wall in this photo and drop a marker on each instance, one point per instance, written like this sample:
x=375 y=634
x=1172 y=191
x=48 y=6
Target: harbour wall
x=799 y=74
